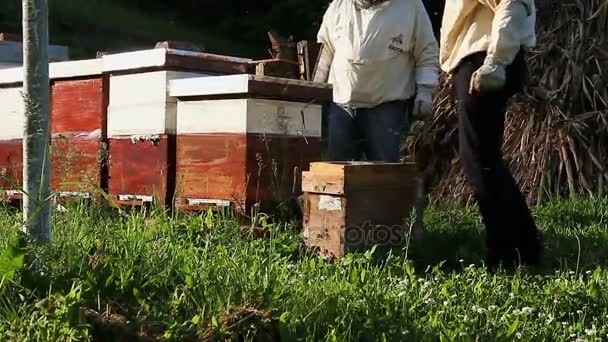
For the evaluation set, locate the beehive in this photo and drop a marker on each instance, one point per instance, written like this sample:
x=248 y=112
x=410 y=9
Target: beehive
x=79 y=100
x=142 y=117
x=78 y=114
x=244 y=139
x=351 y=206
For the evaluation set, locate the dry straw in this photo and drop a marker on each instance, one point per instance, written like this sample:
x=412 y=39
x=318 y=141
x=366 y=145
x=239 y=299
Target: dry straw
x=556 y=135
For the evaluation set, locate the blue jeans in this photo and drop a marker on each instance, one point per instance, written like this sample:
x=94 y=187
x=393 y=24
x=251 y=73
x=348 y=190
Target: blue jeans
x=375 y=132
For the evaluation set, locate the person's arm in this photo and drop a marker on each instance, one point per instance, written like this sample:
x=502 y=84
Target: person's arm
x=327 y=48
x=426 y=50
x=509 y=16
x=505 y=42
x=426 y=58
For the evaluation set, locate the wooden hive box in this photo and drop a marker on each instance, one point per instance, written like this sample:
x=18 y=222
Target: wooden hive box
x=351 y=206
x=12 y=122
x=79 y=100
x=78 y=115
x=142 y=117
x=244 y=139
x=11 y=111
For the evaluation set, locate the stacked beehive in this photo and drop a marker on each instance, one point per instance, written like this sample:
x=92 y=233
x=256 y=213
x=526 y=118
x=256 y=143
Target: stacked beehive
x=244 y=139
x=142 y=117
x=78 y=117
x=139 y=109
x=78 y=125
x=240 y=138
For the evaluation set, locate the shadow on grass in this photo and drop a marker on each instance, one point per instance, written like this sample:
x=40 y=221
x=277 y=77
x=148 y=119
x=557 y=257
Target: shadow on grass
x=575 y=237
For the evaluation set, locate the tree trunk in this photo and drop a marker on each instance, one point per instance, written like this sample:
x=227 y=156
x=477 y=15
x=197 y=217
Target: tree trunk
x=36 y=95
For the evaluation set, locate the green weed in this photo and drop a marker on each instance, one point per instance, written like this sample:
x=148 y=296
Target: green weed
x=147 y=274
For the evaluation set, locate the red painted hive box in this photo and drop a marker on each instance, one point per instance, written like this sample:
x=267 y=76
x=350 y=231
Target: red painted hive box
x=79 y=99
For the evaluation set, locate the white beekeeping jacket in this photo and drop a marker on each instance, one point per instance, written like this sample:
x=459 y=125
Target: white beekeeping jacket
x=380 y=53
x=498 y=27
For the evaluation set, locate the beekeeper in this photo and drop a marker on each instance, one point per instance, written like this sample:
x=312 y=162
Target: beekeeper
x=382 y=59
x=483 y=45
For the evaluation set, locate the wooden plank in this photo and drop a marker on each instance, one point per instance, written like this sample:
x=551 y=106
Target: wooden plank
x=243 y=169
x=257 y=116
x=140 y=168
x=325 y=224
x=208 y=63
x=302 y=59
x=75 y=69
x=211 y=166
x=78 y=106
x=338 y=225
x=284 y=89
x=340 y=178
x=277 y=68
x=79 y=148
x=323 y=183
x=283 y=118
x=173 y=59
x=209 y=85
x=86 y=68
x=308 y=52
x=275 y=164
x=140 y=104
x=292 y=91
x=180 y=45
x=212 y=116
x=76 y=160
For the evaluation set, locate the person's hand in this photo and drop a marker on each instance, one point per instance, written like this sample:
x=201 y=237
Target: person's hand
x=423 y=103
x=491 y=76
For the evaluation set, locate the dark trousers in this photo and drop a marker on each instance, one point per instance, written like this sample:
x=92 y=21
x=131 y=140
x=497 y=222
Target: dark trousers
x=511 y=235
x=374 y=132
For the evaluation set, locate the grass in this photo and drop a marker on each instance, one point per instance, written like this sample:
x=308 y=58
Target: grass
x=196 y=277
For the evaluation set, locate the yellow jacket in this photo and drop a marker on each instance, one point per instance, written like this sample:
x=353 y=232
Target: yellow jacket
x=378 y=54
x=497 y=27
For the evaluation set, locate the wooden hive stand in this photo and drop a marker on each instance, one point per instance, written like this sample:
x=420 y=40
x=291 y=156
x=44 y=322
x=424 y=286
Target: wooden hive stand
x=351 y=206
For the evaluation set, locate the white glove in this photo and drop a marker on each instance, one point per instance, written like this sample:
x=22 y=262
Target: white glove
x=423 y=103
x=491 y=76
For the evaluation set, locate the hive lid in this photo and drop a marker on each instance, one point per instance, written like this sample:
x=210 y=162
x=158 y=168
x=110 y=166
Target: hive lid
x=340 y=178
x=247 y=85
x=173 y=59
x=57 y=70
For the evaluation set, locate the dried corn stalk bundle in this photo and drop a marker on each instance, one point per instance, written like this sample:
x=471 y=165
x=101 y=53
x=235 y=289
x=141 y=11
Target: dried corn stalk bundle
x=556 y=136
